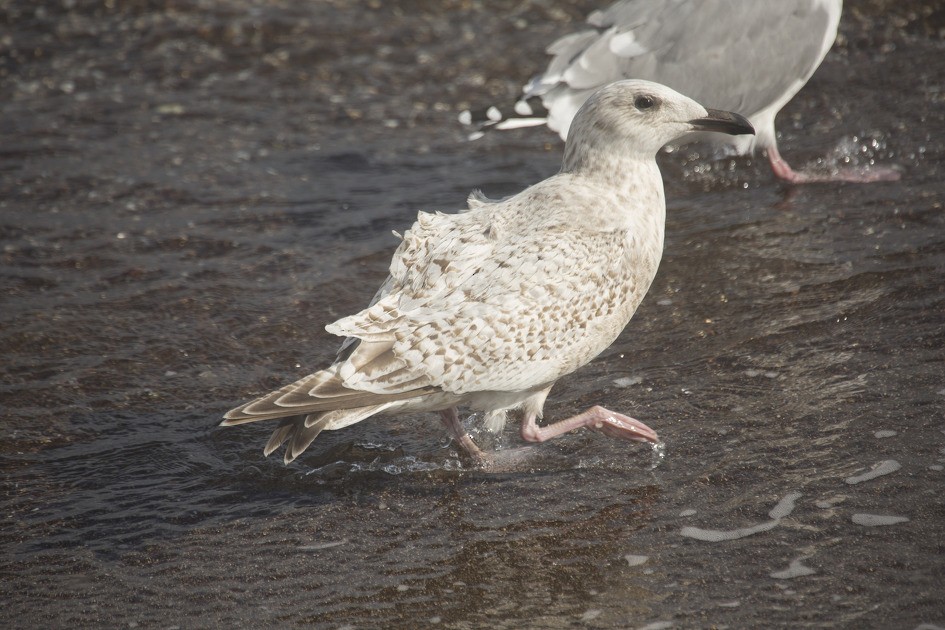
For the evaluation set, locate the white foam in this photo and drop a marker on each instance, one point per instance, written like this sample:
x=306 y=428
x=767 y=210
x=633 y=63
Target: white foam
x=877 y=520
x=591 y=614
x=324 y=545
x=635 y=561
x=718 y=535
x=795 y=569
x=878 y=470
x=783 y=509
x=785 y=506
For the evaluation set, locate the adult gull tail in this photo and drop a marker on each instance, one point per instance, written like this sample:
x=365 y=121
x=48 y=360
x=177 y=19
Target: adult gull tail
x=750 y=56
x=488 y=308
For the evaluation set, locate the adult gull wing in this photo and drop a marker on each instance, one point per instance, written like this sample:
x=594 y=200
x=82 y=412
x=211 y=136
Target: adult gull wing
x=740 y=55
x=487 y=308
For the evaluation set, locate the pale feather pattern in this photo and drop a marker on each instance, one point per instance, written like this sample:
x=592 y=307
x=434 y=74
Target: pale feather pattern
x=490 y=306
x=521 y=313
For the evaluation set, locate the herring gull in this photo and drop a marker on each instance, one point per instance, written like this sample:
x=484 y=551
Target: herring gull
x=488 y=307
x=748 y=56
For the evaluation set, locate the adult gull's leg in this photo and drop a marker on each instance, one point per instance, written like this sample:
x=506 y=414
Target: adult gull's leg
x=783 y=170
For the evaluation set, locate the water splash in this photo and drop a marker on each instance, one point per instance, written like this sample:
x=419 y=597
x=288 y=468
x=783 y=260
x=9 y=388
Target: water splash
x=658 y=454
x=400 y=466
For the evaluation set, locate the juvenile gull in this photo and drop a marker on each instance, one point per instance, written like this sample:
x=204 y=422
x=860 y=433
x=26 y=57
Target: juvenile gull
x=489 y=307
x=749 y=56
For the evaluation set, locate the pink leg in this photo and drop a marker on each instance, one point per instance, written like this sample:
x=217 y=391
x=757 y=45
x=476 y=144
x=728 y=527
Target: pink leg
x=597 y=419
x=450 y=419
x=783 y=170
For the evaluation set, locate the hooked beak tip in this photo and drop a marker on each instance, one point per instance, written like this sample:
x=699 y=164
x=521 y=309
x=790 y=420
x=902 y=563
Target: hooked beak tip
x=723 y=122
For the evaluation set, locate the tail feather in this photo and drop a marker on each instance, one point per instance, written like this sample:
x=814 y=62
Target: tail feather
x=321 y=392
x=316 y=403
x=297 y=433
x=303 y=435
x=528 y=112
x=282 y=433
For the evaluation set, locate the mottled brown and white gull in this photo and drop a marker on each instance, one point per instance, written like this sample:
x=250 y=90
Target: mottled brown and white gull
x=749 y=56
x=488 y=307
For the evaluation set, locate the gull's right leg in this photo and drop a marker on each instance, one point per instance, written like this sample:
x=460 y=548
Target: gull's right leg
x=597 y=419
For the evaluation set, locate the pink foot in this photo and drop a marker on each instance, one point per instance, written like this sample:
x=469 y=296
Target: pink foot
x=596 y=418
x=782 y=170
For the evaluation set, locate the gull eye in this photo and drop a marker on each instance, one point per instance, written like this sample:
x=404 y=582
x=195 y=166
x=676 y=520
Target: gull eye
x=643 y=102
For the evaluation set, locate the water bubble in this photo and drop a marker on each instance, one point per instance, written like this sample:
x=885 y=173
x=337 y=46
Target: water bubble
x=658 y=454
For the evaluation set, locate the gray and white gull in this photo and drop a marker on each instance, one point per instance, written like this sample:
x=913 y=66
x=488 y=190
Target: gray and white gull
x=488 y=307
x=750 y=56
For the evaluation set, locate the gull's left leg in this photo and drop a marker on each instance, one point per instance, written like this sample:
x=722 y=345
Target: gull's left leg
x=450 y=418
x=597 y=419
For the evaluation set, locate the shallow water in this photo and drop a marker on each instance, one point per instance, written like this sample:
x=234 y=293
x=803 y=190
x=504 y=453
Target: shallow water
x=190 y=194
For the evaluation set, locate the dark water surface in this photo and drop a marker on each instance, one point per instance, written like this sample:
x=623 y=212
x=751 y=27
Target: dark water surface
x=190 y=190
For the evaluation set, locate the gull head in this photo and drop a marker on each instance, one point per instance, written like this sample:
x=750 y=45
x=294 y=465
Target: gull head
x=636 y=118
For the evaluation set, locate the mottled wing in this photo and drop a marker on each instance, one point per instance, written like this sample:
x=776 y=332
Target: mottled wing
x=368 y=349
x=481 y=311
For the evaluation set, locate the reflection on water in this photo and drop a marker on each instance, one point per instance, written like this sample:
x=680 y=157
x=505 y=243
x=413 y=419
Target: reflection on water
x=190 y=194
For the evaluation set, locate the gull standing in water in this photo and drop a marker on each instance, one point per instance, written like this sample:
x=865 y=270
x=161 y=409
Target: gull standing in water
x=487 y=308
x=750 y=56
